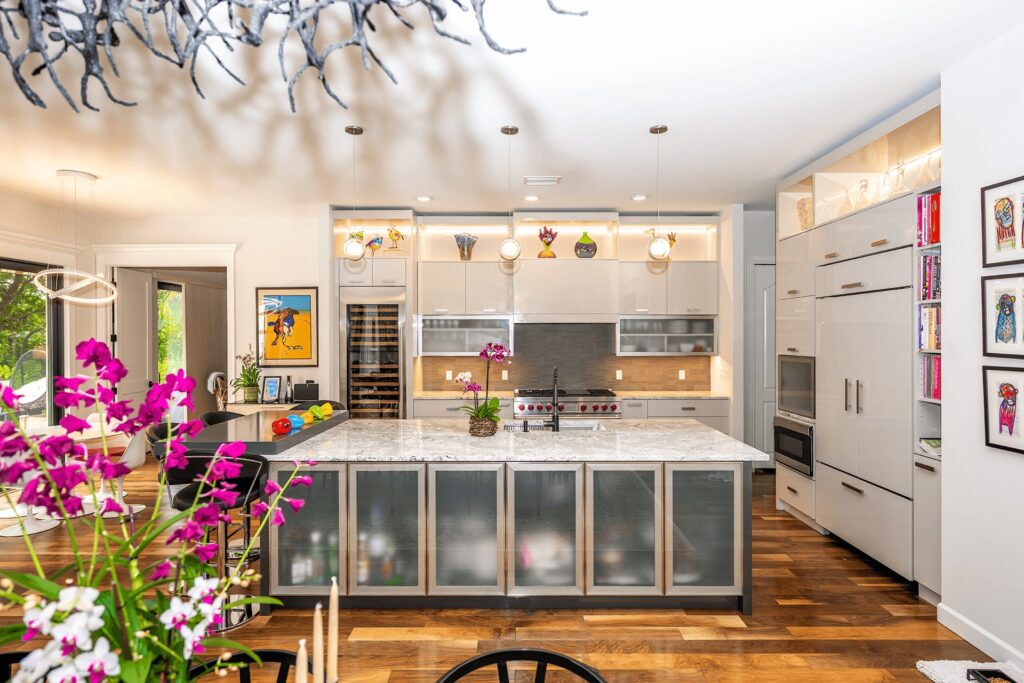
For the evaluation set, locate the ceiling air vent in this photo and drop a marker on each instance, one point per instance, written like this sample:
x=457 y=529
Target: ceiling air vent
x=541 y=180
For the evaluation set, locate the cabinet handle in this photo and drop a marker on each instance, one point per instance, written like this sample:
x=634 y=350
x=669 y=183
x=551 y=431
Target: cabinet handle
x=490 y=310
x=859 y=409
x=452 y=409
x=693 y=310
x=851 y=285
x=642 y=310
x=793 y=291
x=832 y=254
x=880 y=243
x=792 y=349
x=926 y=468
x=793 y=490
x=846 y=395
x=356 y=282
x=635 y=405
x=440 y=310
x=852 y=488
x=388 y=281
x=688 y=408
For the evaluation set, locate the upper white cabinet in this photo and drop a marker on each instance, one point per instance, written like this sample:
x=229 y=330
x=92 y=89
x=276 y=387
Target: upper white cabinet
x=442 y=288
x=488 y=288
x=883 y=271
x=369 y=272
x=794 y=322
x=566 y=290
x=692 y=288
x=886 y=226
x=388 y=272
x=643 y=287
x=795 y=266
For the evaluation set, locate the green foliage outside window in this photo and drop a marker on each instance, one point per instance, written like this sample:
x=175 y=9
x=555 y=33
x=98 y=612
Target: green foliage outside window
x=23 y=336
x=170 y=332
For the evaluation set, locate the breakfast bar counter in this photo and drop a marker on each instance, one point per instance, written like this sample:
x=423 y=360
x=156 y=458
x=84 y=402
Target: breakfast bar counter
x=612 y=513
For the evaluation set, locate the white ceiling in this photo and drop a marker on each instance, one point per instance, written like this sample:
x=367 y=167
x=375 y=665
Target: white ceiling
x=750 y=90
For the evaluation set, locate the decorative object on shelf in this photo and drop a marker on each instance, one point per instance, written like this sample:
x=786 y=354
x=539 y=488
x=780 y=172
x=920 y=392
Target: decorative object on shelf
x=546 y=235
x=45 y=31
x=248 y=380
x=217 y=385
x=374 y=245
x=296 y=421
x=900 y=185
x=287 y=326
x=63 y=283
x=509 y=248
x=805 y=213
x=585 y=247
x=90 y=621
x=465 y=242
x=484 y=416
x=1002 y=389
x=271 y=389
x=1003 y=297
x=1001 y=222
x=394 y=234
x=281 y=426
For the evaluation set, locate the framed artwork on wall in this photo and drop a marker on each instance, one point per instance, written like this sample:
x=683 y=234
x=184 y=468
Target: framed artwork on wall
x=287 y=326
x=1002 y=303
x=1002 y=220
x=1002 y=424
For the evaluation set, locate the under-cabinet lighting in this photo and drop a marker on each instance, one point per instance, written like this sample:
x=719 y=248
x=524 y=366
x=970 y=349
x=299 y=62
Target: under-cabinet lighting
x=687 y=229
x=428 y=230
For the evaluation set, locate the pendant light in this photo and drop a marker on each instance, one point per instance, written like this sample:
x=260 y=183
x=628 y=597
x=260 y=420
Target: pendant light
x=509 y=248
x=659 y=247
x=352 y=248
x=72 y=281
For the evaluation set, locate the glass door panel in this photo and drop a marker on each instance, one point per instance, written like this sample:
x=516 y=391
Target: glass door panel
x=463 y=336
x=387 y=529
x=667 y=336
x=374 y=360
x=546 y=530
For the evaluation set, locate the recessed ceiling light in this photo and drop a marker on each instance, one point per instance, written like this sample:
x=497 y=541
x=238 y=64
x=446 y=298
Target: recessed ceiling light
x=424 y=198
x=531 y=197
x=639 y=197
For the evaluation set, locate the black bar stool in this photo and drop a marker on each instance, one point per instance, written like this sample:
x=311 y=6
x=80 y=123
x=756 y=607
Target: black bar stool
x=501 y=658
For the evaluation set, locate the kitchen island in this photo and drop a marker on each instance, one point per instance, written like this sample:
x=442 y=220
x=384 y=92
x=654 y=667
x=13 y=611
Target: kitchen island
x=613 y=513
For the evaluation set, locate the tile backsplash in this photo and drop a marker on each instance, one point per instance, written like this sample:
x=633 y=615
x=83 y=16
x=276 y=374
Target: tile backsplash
x=585 y=357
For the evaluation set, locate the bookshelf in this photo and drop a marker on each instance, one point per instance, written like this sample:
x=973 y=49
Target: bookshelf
x=928 y=319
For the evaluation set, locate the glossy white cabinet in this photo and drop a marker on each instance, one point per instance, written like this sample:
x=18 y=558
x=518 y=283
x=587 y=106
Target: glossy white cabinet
x=371 y=272
x=355 y=273
x=795 y=489
x=795 y=269
x=427 y=408
x=881 y=271
x=713 y=412
x=488 y=287
x=563 y=290
x=886 y=226
x=633 y=409
x=794 y=324
x=835 y=371
x=643 y=287
x=692 y=288
x=442 y=288
x=927 y=522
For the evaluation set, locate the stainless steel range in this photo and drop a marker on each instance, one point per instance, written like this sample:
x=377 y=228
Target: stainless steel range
x=571 y=403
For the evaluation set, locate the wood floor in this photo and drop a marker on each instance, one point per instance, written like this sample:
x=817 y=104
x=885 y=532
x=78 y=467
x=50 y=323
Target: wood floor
x=822 y=612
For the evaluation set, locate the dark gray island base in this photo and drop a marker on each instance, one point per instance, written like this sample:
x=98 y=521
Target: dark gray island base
x=259 y=438
x=607 y=519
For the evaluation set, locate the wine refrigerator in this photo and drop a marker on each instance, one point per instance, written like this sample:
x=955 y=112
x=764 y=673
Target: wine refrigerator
x=372 y=321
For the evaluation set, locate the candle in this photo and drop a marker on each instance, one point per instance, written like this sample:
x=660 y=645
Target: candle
x=318 y=644
x=332 y=633
x=301 y=663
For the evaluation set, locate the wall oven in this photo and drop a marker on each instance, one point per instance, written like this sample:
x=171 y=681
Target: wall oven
x=796 y=386
x=794 y=445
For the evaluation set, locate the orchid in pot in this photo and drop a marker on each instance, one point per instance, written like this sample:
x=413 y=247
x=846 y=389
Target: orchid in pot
x=140 y=600
x=484 y=415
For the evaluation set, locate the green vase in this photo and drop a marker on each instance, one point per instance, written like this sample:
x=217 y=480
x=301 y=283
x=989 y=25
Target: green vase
x=586 y=247
x=251 y=394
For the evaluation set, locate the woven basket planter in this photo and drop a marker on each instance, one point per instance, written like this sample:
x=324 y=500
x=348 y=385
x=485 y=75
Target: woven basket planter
x=478 y=426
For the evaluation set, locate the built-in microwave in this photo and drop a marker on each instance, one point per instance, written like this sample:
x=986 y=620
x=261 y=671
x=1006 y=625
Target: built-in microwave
x=794 y=445
x=796 y=386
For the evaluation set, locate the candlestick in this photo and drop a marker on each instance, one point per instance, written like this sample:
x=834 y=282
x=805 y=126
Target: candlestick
x=318 y=644
x=301 y=663
x=332 y=633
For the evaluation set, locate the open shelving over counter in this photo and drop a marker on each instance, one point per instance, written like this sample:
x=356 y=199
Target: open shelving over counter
x=600 y=228
x=436 y=236
x=692 y=238
x=386 y=225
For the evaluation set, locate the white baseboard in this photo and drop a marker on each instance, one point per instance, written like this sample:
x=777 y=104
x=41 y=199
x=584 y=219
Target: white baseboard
x=928 y=595
x=996 y=648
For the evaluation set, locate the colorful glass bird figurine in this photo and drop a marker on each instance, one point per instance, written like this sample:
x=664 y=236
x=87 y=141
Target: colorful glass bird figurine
x=358 y=235
x=374 y=244
x=671 y=237
x=394 y=235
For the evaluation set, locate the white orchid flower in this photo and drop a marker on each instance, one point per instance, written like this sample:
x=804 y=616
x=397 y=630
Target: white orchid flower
x=178 y=614
x=75 y=632
x=202 y=589
x=33 y=667
x=66 y=673
x=99 y=664
x=77 y=598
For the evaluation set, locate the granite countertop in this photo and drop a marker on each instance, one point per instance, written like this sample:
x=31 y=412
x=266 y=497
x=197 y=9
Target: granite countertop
x=669 y=440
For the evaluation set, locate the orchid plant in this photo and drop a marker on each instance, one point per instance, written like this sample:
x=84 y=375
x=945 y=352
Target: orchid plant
x=140 y=599
x=488 y=409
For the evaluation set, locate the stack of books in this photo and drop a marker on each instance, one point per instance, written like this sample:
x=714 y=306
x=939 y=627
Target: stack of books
x=928 y=219
x=931 y=377
x=929 y=333
x=931 y=277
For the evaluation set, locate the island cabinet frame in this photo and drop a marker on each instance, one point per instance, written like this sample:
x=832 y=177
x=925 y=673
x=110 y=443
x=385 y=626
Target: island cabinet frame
x=354 y=470
x=594 y=517
x=577 y=587
x=433 y=471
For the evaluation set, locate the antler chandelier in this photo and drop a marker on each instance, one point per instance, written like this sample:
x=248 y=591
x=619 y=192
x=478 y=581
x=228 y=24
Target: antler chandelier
x=36 y=35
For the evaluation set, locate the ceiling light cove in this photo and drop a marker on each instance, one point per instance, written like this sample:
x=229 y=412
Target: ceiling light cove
x=639 y=197
x=532 y=197
x=424 y=198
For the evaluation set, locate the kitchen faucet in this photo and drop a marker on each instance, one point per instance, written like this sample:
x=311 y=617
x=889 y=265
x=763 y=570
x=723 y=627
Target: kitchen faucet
x=554 y=405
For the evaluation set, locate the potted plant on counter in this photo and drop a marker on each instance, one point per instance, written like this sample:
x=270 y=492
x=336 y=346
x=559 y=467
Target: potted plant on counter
x=484 y=415
x=248 y=380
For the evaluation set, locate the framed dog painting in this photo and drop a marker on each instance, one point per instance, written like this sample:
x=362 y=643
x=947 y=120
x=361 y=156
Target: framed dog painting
x=1002 y=423
x=1002 y=304
x=287 y=326
x=1002 y=220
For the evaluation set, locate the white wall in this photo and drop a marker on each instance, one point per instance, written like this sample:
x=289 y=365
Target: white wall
x=758 y=247
x=982 y=488
x=727 y=367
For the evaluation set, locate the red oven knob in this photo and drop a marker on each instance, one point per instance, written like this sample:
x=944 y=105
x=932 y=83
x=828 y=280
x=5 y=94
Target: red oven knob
x=596 y=407
x=604 y=408
x=548 y=407
x=522 y=407
x=583 y=407
x=561 y=407
x=530 y=407
x=613 y=407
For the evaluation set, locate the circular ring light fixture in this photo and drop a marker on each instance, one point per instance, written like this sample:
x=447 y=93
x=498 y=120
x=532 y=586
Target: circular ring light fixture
x=75 y=281
x=509 y=249
x=659 y=248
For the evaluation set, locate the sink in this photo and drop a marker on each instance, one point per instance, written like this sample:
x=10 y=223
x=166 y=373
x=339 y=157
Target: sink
x=563 y=425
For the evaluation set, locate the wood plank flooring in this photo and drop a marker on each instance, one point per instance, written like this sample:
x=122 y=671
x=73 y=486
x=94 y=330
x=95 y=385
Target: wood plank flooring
x=822 y=612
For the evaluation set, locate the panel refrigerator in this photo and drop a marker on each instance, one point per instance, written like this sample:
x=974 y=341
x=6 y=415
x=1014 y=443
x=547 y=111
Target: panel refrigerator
x=372 y=331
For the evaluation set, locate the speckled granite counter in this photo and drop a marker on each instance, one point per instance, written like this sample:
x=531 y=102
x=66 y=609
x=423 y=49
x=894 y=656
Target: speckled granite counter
x=671 y=440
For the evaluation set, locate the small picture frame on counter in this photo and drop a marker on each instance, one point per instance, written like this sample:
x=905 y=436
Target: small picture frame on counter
x=271 y=392
x=1002 y=220
x=1002 y=390
x=1002 y=303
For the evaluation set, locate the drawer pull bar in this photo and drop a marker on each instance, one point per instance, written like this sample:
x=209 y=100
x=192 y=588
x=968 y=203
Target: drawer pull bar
x=633 y=405
x=792 y=349
x=880 y=243
x=452 y=409
x=490 y=310
x=832 y=254
x=859 y=409
x=440 y=310
x=688 y=408
x=388 y=281
x=851 y=285
x=846 y=395
x=793 y=291
x=852 y=488
x=793 y=490
x=926 y=468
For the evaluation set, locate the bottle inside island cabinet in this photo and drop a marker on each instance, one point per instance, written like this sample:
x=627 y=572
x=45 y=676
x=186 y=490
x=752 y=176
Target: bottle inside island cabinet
x=310 y=549
x=387 y=529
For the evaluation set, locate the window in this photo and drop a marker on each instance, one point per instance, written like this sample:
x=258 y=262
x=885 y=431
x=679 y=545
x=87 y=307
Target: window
x=170 y=329
x=31 y=341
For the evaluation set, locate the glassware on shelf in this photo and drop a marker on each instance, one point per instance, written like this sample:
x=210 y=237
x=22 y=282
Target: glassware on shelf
x=847 y=205
x=935 y=166
x=900 y=185
x=862 y=201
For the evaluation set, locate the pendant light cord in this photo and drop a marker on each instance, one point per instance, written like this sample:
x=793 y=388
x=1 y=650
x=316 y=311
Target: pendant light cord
x=508 y=197
x=352 y=220
x=657 y=181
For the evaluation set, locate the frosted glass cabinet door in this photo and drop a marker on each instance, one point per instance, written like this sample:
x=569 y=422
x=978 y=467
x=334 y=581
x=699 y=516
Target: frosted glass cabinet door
x=310 y=549
x=387 y=530
x=704 y=513
x=545 y=529
x=466 y=529
x=624 y=529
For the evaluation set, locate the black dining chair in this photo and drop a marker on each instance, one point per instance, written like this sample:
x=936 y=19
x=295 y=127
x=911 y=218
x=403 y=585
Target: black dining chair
x=306 y=405
x=215 y=417
x=501 y=658
x=7 y=662
x=286 y=659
